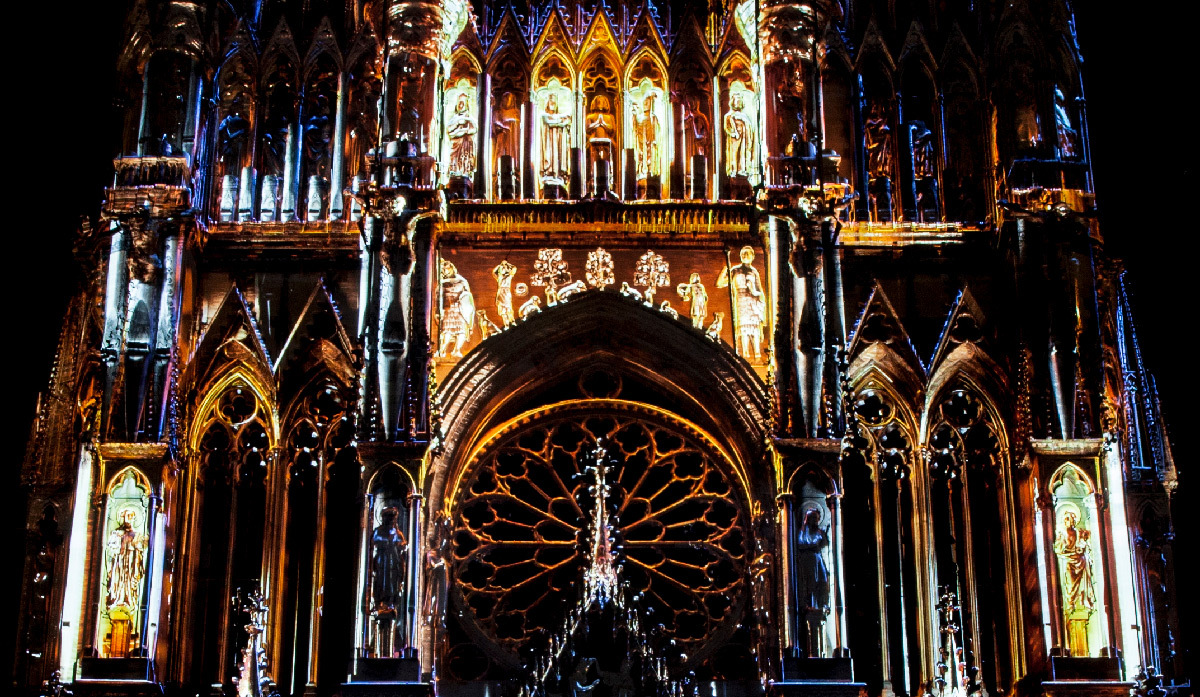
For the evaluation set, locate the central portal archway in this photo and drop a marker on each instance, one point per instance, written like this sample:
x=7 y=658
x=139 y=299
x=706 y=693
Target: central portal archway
x=680 y=516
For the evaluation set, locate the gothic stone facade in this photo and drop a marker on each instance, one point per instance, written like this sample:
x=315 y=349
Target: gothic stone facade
x=575 y=346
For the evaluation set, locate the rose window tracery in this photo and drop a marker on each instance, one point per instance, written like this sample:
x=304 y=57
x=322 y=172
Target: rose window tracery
x=520 y=540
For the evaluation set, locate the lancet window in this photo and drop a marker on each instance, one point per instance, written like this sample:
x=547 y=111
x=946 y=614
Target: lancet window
x=233 y=453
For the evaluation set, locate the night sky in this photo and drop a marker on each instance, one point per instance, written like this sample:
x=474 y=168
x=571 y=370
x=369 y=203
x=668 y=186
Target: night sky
x=1137 y=76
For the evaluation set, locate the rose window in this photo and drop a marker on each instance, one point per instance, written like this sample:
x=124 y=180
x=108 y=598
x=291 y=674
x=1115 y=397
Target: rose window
x=521 y=526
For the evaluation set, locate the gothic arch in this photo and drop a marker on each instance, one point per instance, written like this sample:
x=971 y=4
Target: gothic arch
x=700 y=380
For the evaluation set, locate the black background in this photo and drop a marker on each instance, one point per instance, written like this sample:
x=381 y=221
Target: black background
x=1139 y=77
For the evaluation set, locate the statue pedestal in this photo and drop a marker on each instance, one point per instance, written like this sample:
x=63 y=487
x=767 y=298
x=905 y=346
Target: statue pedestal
x=101 y=677
x=1071 y=676
x=390 y=677
x=818 y=677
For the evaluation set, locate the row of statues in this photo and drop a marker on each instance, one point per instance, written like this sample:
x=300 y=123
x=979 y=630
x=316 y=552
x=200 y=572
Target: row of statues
x=554 y=134
x=459 y=315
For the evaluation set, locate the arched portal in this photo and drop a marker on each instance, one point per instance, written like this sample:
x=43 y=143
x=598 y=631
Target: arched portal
x=512 y=503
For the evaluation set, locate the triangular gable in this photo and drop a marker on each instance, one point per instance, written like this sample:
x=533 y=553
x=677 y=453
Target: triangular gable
x=645 y=33
x=916 y=47
x=690 y=42
x=281 y=45
x=232 y=335
x=323 y=41
x=879 y=323
x=555 y=33
x=964 y=324
x=600 y=35
x=318 y=343
x=508 y=35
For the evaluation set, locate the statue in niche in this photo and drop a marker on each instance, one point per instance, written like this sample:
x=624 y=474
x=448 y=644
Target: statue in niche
x=434 y=604
x=739 y=138
x=555 y=142
x=694 y=292
x=126 y=563
x=389 y=566
x=924 y=169
x=600 y=128
x=1028 y=124
x=318 y=134
x=504 y=274
x=695 y=122
x=233 y=135
x=364 y=125
x=645 y=132
x=750 y=306
x=458 y=311
x=812 y=579
x=879 y=144
x=1068 y=137
x=506 y=119
x=412 y=79
x=1071 y=546
x=461 y=132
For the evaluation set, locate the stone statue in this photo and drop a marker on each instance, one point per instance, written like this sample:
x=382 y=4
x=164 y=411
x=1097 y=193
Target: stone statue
x=555 y=142
x=696 y=122
x=126 y=563
x=318 y=137
x=458 y=310
x=435 y=564
x=1068 y=137
x=694 y=292
x=600 y=127
x=504 y=273
x=750 y=307
x=879 y=144
x=389 y=564
x=461 y=132
x=1071 y=546
x=505 y=126
x=739 y=138
x=812 y=579
x=645 y=131
x=233 y=135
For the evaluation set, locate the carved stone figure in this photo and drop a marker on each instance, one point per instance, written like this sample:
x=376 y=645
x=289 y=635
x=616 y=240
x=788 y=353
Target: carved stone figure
x=318 y=136
x=555 y=142
x=461 y=132
x=739 y=138
x=1071 y=546
x=879 y=144
x=506 y=120
x=458 y=310
x=126 y=563
x=1068 y=137
x=694 y=292
x=601 y=126
x=389 y=565
x=504 y=273
x=599 y=269
x=750 y=307
x=696 y=123
x=812 y=578
x=714 y=330
x=435 y=565
x=646 y=132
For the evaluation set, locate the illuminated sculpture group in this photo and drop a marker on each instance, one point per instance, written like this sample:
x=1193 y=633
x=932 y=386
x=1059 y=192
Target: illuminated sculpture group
x=615 y=348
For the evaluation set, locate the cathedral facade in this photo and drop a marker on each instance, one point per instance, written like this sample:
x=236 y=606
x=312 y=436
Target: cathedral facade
x=619 y=347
